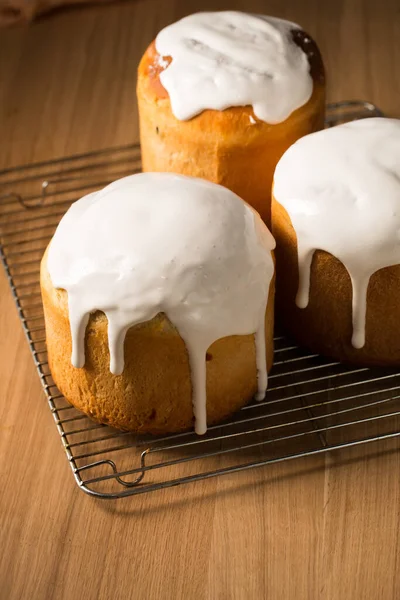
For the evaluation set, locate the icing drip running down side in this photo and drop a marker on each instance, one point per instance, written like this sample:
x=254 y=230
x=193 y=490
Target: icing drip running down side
x=341 y=189
x=163 y=243
x=224 y=59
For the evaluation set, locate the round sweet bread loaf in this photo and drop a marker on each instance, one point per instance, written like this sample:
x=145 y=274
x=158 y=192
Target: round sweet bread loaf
x=336 y=221
x=222 y=95
x=158 y=296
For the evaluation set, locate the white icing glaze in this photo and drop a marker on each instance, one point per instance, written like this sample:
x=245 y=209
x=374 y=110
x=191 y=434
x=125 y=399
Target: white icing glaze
x=158 y=242
x=341 y=189
x=224 y=59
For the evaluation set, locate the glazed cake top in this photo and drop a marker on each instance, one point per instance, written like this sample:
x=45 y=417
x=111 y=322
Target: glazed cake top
x=225 y=59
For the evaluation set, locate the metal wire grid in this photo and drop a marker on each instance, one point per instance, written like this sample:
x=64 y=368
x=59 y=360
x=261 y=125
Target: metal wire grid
x=313 y=404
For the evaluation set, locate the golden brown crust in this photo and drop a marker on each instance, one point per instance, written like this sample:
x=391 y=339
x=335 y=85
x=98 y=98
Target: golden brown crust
x=325 y=326
x=153 y=394
x=222 y=146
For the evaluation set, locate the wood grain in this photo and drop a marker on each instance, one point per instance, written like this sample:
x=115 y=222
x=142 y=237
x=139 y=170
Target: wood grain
x=327 y=527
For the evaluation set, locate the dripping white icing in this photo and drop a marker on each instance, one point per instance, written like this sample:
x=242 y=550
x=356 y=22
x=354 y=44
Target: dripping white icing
x=224 y=59
x=341 y=189
x=158 y=242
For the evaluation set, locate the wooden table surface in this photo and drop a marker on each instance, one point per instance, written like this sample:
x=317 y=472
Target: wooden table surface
x=325 y=527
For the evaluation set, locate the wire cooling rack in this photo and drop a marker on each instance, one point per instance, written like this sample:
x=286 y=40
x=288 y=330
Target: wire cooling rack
x=313 y=405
